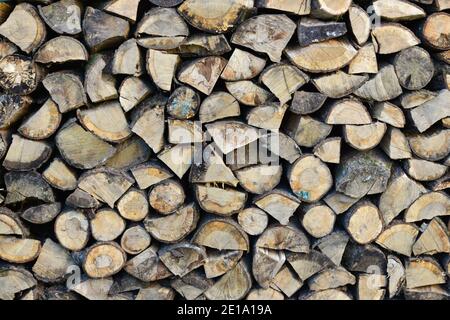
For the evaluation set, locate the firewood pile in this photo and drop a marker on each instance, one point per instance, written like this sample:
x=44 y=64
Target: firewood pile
x=224 y=149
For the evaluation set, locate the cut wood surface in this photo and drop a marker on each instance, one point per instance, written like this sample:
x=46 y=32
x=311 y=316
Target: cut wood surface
x=224 y=150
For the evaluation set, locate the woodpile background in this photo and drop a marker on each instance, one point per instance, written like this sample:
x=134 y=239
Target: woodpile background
x=105 y=105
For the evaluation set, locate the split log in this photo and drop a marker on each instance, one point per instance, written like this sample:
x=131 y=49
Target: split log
x=129 y=153
x=268 y=294
x=389 y=113
x=192 y=286
x=329 y=150
x=422 y=170
x=174 y=227
x=434 y=292
x=220 y=262
x=435 y=239
x=147 y=266
x=52 y=263
x=11 y=225
x=318 y=220
x=43 y=123
x=339 y=84
x=60 y=176
x=201 y=45
x=162 y=22
x=221 y=234
x=26 y=155
x=305 y=103
x=242 y=65
x=399 y=237
x=100 y=86
x=433 y=145
x=281 y=145
x=217 y=106
x=32 y=32
x=396 y=275
x=393 y=37
x=347 y=112
x=66 y=89
x=26 y=187
x=231 y=135
x=279 y=204
x=339 y=202
x=149 y=124
x=19 y=75
x=333 y=246
x=414 y=68
x=15 y=281
x=123 y=8
x=414 y=99
x=248 y=93
x=435 y=31
x=328 y=9
x=371 y=287
x=268 y=116
x=162 y=67
x=184 y=131
x=182 y=258
x=12 y=109
x=422 y=272
x=321 y=57
x=310 y=179
x=102 y=31
x=398 y=10
x=259 y=179
x=155 y=292
x=363 y=222
x=61 y=50
x=72 y=230
x=132 y=92
x=331 y=279
x=107 y=225
x=167 y=196
x=7 y=48
x=94 y=289
x=223 y=202
x=63 y=17
x=383 y=86
x=287 y=282
x=128 y=59
x=42 y=214
x=308 y=264
x=307 y=131
x=427 y=114
x=330 y=294
x=365 y=61
x=360 y=24
x=395 y=144
x=364 y=137
x=278 y=30
x=104 y=259
x=420 y=209
x=314 y=30
x=17 y=250
x=367 y=259
x=279 y=237
x=302 y=7
x=133 y=205
x=80 y=148
x=253 y=221
x=178 y=158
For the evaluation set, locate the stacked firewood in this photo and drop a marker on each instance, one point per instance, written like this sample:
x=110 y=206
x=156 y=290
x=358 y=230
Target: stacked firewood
x=224 y=149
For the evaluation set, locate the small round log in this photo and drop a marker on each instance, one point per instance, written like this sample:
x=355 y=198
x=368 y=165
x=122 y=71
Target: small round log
x=107 y=225
x=167 y=196
x=135 y=240
x=221 y=234
x=253 y=220
x=363 y=222
x=414 y=68
x=183 y=103
x=318 y=220
x=72 y=230
x=104 y=259
x=133 y=205
x=19 y=74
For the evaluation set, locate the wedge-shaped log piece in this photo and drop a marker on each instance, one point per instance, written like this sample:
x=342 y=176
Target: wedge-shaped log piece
x=100 y=85
x=362 y=173
x=339 y=202
x=147 y=266
x=396 y=276
x=400 y=193
x=302 y=7
x=221 y=234
x=132 y=92
x=201 y=45
x=365 y=61
x=155 y=292
x=268 y=294
x=329 y=150
x=314 y=30
x=283 y=80
x=14 y=281
x=310 y=178
x=432 y=145
x=223 y=202
x=10 y=224
x=248 y=93
x=279 y=204
x=428 y=206
x=135 y=240
x=279 y=237
x=307 y=131
x=253 y=220
x=333 y=246
x=231 y=135
x=214 y=16
x=364 y=137
x=107 y=225
x=182 y=258
x=175 y=227
x=133 y=205
x=308 y=264
x=162 y=67
x=423 y=170
x=149 y=174
x=393 y=37
x=339 y=84
x=42 y=214
x=220 y=262
x=435 y=239
x=94 y=289
x=19 y=75
x=81 y=199
x=260 y=179
x=371 y=287
x=383 y=86
x=422 y=272
x=234 y=285
x=107 y=121
x=162 y=22
x=52 y=263
x=66 y=90
x=203 y=73
x=26 y=155
x=364 y=258
x=399 y=237
x=149 y=124
x=212 y=169
x=80 y=148
x=104 y=259
x=23 y=186
x=184 y=131
x=363 y=222
x=43 y=123
x=435 y=31
x=12 y=109
x=433 y=292
x=318 y=220
x=307 y=102
x=268 y=116
x=398 y=10
x=130 y=153
x=282 y=146
x=124 y=8
x=192 y=285
x=414 y=68
x=395 y=144
x=128 y=59
x=242 y=66
x=389 y=113
x=102 y=31
x=24 y=28
x=178 y=158
x=61 y=50
x=322 y=57
x=414 y=99
x=167 y=196
x=431 y=112
x=327 y=295
x=327 y=9
x=17 y=250
x=266 y=264
x=219 y=105
x=267 y=33
x=331 y=278
x=360 y=23
x=105 y=184
x=347 y=112
x=57 y=14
